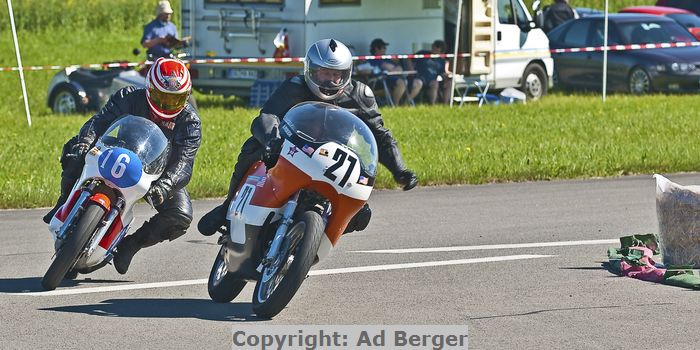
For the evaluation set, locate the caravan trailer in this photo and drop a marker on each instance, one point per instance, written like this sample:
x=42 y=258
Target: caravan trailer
x=506 y=46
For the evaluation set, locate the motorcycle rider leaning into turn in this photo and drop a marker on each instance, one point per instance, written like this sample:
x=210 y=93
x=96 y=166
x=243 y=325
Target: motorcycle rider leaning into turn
x=165 y=102
x=327 y=78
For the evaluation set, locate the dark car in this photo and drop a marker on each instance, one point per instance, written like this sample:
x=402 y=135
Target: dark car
x=674 y=69
x=683 y=17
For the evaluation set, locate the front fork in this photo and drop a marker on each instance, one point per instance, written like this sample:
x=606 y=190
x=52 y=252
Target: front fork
x=77 y=207
x=106 y=225
x=285 y=221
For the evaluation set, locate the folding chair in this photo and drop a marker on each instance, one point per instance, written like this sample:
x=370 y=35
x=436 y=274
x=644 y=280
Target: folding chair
x=463 y=85
x=376 y=81
x=382 y=78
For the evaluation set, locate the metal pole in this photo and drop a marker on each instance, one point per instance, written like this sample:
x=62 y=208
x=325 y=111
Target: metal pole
x=19 y=63
x=605 y=53
x=454 y=59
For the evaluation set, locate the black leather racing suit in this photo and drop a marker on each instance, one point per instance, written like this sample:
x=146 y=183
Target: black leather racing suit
x=184 y=132
x=356 y=98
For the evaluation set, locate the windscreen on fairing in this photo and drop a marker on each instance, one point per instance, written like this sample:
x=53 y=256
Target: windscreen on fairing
x=141 y=136
x=319 y=123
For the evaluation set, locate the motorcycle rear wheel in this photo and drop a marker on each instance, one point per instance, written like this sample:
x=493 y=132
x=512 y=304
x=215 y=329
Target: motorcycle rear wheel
x=277 y=285
x=73 y=246
x=222 y=285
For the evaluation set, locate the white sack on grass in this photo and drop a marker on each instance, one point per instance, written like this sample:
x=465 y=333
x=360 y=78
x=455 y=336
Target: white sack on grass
x=678 y=212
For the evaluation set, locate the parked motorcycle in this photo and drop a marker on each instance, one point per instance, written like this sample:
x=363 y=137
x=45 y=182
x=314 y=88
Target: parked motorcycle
x=118 y=171
x=287 y=218
x=80 y=90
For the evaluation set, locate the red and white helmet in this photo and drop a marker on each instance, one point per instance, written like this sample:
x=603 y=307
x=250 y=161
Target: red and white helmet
x=168 y=85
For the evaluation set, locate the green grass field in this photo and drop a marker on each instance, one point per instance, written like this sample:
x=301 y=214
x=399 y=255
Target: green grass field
x=559 y=137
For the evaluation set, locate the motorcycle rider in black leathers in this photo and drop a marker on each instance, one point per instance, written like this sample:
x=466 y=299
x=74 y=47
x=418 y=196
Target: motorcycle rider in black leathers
x=327 y=78
x=165 y=102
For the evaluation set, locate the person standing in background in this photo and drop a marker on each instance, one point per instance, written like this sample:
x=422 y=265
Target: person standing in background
x=160 y=35
x=558 y=13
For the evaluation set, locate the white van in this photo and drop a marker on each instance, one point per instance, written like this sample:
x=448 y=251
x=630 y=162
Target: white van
x=507 y=48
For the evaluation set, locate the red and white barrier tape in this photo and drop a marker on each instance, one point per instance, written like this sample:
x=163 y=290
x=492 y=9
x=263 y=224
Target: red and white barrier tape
x=364 y=57
x=96 y=65
x=627 y=47
x=226 y=60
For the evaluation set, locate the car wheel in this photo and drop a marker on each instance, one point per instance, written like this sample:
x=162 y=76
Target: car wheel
x=534 y=82
x=66 y=100
x=639 y=82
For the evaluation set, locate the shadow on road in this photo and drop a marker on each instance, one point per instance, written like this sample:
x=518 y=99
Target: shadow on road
x=165 y=308
x=33 y=284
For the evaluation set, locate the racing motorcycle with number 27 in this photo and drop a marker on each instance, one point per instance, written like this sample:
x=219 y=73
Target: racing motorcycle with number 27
x=287 y=218
x=118 y=171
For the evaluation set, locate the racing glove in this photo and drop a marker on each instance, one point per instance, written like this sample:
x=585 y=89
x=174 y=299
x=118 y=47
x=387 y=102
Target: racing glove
x=407 y=179
x=73 y=159
x=79 y=150
x=272 y=151
x=157 y=194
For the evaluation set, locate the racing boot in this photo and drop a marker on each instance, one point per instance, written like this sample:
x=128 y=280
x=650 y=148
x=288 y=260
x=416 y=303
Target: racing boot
x=213 y=220
x=47 y=218
x=66 y=186
x=407 y=179
x=126 y=250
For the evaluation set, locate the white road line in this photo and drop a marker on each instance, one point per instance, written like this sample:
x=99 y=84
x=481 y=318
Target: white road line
x=311 y=273
x=116 y=288
x=425 y=264
x=488 y=247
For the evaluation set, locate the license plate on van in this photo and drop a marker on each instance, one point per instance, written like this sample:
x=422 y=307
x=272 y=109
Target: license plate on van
x=236 y=73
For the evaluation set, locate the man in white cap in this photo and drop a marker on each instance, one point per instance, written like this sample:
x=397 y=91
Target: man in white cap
x=160 y=35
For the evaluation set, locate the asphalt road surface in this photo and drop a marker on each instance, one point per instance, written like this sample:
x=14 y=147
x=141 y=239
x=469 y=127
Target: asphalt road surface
x=519 y=264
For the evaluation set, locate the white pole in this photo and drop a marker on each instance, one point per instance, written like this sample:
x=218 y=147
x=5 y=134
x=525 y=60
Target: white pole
x=605 y=53
x=19 y=62
x=454 y=59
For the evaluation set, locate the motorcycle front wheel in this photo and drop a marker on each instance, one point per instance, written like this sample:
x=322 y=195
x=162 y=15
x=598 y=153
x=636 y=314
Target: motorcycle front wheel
x=75 y=241
x=280 y=281
x=222 y=285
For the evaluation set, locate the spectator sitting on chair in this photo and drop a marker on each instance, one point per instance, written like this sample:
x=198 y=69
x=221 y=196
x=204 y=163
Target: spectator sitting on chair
x=396 y=82
x=160 y=35
x=429 y=69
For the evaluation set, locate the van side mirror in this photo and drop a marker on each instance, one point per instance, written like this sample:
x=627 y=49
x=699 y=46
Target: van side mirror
x=526 y=26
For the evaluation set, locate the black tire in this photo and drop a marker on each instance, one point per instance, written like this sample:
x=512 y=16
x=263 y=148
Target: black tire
x=304 y=255
x=66 y=100
x=71 y=275
x=534 y=82
x=222 y=285
x=639 y=82
x=73 y=246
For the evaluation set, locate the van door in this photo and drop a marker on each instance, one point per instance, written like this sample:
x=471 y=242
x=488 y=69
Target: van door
x=512 y=31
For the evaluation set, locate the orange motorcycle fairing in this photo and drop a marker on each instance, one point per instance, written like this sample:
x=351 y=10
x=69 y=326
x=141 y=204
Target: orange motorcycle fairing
x=285 y=179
